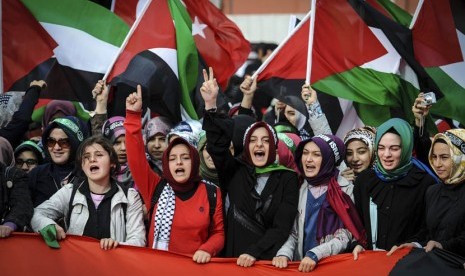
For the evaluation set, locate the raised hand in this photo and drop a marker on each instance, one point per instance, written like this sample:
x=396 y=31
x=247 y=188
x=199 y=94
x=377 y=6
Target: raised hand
x=248 y=86
x=419 y=110
x=308 y=94
x=100 y=94
x=209 y=89
x=134 y=100
x=42 y=84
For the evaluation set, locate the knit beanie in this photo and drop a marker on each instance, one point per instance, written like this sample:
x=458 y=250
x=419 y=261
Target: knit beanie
x=113 y=128
x=189 y=130
x=31 y=146
x=273 y=143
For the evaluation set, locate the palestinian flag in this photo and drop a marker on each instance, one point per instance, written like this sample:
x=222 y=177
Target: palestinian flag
x=350 y=61
x=439 y=46
x=26 y=48
x=88 y=38
x=162 y=59
x=173 y=56
x=411 y=74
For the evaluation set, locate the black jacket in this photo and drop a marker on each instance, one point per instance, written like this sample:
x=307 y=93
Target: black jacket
x=255 y=224
x=15 y=201
x=400 y=205
x=43 y=184
x=445 y=217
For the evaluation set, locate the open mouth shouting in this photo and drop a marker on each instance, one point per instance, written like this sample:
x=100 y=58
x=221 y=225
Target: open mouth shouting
x=94 y=169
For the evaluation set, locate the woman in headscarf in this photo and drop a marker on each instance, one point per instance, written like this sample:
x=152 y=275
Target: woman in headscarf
x=445 y=212
x=262 y=194
x=94 y=205
x=359 y=151
x=155 y=133
x=207 y=167
x=390 y=197
x=113 y=130
x=327 y=219
x=61 y=140
x=180 y=220
x=15 y=201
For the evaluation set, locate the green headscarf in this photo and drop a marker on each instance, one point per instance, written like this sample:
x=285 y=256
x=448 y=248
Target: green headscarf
x=406 y=140
x=206 y=173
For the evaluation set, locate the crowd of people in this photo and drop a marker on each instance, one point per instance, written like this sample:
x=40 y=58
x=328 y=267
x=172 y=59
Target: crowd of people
x=284 y=188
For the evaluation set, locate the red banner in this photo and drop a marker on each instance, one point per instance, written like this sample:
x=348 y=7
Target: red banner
x=27 y=254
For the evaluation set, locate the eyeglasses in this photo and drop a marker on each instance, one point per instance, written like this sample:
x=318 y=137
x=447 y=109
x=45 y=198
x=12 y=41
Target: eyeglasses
x=28 y=162
x=62 y=143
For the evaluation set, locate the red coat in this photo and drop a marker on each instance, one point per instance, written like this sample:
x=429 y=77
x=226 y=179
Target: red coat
x=191 y=229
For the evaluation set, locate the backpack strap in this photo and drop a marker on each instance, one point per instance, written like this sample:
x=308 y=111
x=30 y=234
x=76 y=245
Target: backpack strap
x=76 y=186
x=7 y=184
x=156 y=195
x=124 y=205
x=212 y=198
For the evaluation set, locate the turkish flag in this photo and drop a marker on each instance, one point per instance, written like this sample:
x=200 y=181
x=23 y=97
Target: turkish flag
x=219 y=41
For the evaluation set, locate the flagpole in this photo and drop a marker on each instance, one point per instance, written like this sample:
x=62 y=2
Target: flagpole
x=280 y=46
x=126 y=39
x=311 y=33
x=415 y=15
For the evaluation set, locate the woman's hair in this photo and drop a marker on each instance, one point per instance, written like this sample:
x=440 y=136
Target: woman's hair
x=106 y=145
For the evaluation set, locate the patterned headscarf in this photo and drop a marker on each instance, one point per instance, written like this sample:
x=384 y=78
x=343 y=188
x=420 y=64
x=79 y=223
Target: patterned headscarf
x=406 y=142
x=455 y=139
x=273 y=143
x=365 y=134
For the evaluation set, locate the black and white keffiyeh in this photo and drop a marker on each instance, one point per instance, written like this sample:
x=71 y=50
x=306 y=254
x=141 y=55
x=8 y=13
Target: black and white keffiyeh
x=164 y=219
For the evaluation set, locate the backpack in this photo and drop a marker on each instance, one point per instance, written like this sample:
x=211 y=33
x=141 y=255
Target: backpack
x=73 y=194
x=211 y=194
x=7 y=184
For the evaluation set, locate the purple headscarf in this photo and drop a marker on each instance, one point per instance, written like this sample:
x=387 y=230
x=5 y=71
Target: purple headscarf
x=66 y=107
x=332 y=151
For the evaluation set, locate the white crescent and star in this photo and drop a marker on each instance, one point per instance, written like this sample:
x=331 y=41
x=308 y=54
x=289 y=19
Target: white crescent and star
x=198 y=27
